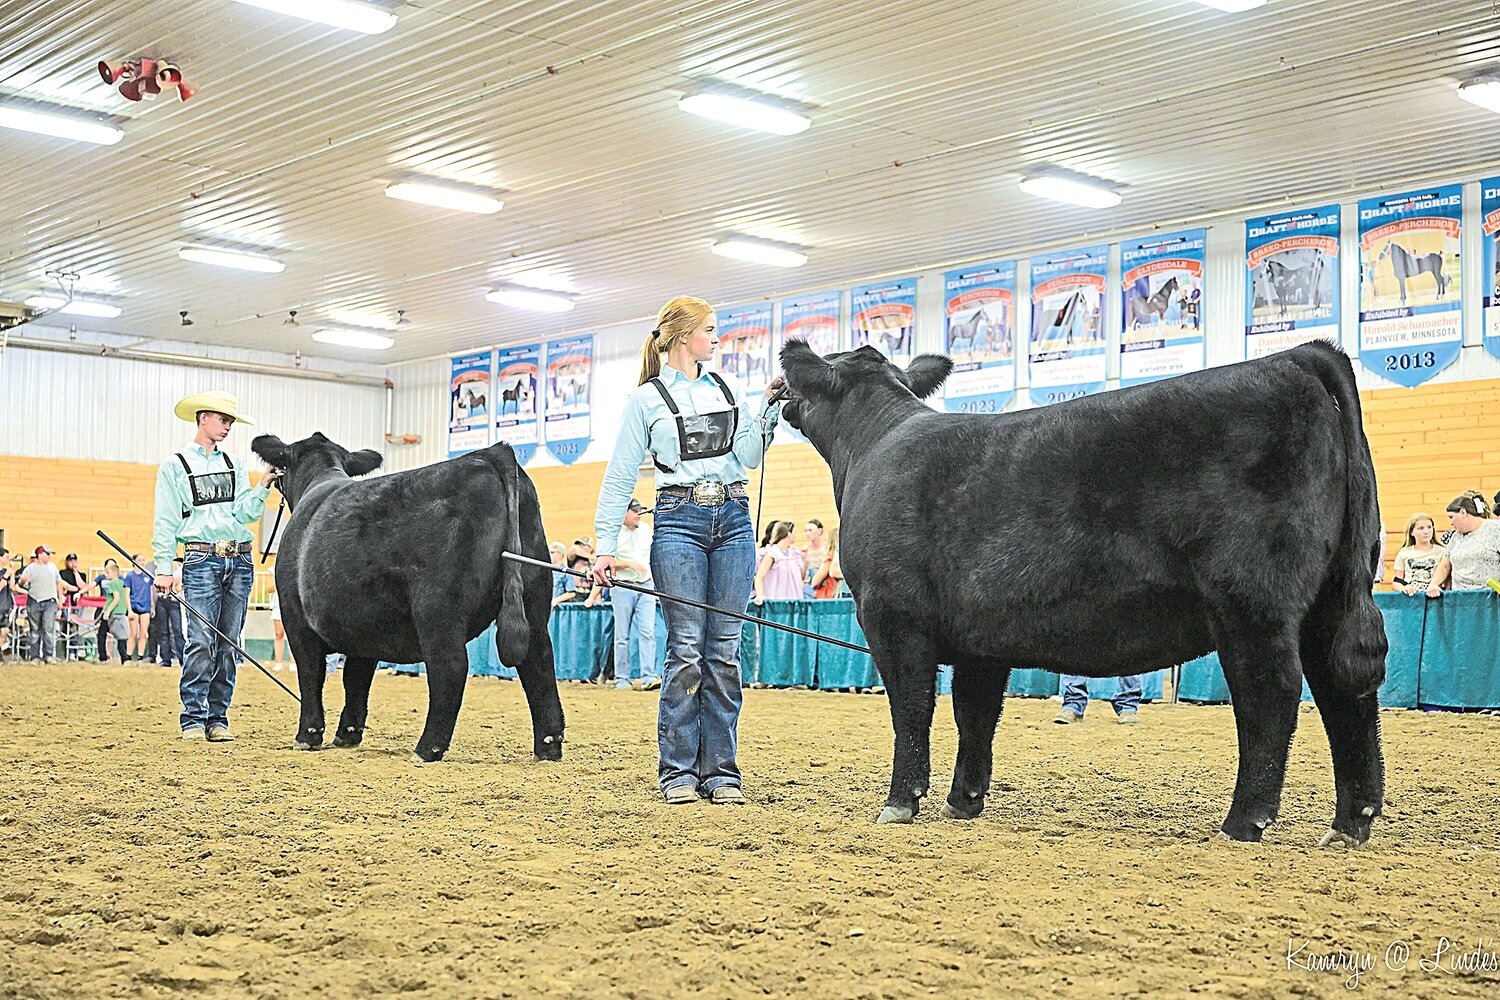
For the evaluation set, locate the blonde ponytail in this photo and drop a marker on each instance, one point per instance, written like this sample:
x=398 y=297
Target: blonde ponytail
x=674 y=324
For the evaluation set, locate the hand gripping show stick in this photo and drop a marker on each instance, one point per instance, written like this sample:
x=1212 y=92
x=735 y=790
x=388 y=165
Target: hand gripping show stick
x=196 y=614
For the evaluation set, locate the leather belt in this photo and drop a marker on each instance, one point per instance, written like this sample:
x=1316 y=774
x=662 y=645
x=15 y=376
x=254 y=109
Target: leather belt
x=222 y=549
x=707 y=493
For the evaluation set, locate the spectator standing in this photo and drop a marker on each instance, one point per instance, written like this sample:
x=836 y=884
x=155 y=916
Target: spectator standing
x=1473 y=554
x=1076 y=699
x=73 y=582
x=173 y=636
x=779 y=575
x=814 y=554
x=635 y=613
x=828 y=579
x=116 y=611
x=101 y=640
x=41 y=582
x=1419 y=556
x=278 y=630
x=7 y=604
x=142 y=603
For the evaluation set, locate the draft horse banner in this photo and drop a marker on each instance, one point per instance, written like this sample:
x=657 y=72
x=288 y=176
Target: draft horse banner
x=1490 y=279
x=516 y=398
x=813 y=318
x=1161 y=331
x=884 y=316
x=980 y=311
x=470 y=389
x=570 y=375
x=1410 y=315
x=1067 y=328
x=745 y=345
x=1292 y=290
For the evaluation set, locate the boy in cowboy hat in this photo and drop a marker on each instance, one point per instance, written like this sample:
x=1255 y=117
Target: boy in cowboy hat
x=204 y=500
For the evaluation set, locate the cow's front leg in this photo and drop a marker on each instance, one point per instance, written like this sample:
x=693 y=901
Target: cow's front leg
x=978 y=697
x=311 y=656
x=447 y=671
x=909 y=669
x=358 y=673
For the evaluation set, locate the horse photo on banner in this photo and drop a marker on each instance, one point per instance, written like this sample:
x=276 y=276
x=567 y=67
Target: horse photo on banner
x=1410 y=306
x=813 y=318
x=1489 y=207
x=884 y=316
x=470 y=390
x=980 y=311
x=745 y=345
x=516 y=398
x=1162 y=330
x=1067 y=329
x=1292 y=293
x=570 y=377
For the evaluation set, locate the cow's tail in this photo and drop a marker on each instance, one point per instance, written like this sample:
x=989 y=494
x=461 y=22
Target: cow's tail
x=512 y=630
x=1351 y=625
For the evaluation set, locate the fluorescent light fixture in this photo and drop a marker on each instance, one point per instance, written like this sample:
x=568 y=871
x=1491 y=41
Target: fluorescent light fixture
x=1232 y=6
x=78 y=307
x=1483 y=92
x=746 y=108
x=538 y=299
x=460 y=199
x=370 y=321
x=353 y=338
x=232 y=258
x=760 y=251
x=351 y=14
x=61 y=126
x=1075 y=189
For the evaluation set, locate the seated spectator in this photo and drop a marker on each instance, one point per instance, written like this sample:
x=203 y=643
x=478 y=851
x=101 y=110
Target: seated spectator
x=579 y=588
x=814 y=551
x=1473 y=555
x=779 y=574
x=1420 y=553
x=828 y=578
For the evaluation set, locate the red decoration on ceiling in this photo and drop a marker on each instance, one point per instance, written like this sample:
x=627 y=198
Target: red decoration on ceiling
x=145 y=78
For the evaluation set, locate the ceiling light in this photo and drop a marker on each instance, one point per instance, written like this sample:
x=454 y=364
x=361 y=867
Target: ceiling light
x=61 y=126
x=522 y=297
x=760 y=251
x=351 y=14
x=746 y=108
x=78 y=307
x=1232 y=6
x=353 y=338
x=232 y=258
x=1483 y=92
x=370 y=321
x=460 y=199
x=1075 y=189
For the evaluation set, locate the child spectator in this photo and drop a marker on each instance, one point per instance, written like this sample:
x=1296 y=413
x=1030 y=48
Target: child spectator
x=779 y=576
x=142 y=591
x=814 y=553
x=828 y=579
x=116 y=611
x=1419 y=556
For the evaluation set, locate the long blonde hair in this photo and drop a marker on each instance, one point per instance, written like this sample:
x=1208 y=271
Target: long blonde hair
x=674 y=325
x=1411 y=525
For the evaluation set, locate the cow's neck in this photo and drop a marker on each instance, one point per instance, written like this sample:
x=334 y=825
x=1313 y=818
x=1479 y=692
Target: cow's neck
x=858 y=437
x=316 y=473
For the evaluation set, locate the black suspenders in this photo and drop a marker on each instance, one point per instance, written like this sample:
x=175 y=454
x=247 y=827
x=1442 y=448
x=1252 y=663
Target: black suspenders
x=682 y=434
x=193 y=486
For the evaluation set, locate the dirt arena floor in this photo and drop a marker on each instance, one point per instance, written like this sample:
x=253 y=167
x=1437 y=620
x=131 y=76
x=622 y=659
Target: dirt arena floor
x=133 y=865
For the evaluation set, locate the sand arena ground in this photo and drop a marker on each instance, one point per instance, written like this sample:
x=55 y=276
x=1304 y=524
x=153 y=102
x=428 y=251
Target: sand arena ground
x=138 y=866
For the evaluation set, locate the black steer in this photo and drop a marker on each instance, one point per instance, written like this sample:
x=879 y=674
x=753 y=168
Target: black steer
x=407 y=567
x=1232 y=509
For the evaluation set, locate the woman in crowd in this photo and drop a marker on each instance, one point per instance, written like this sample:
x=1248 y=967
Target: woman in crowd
x=779 y=576
x=1420 y=553
x=701 y=435
x=814 y=551
x=7 y=602
x=828 y=579
x=1473 y=554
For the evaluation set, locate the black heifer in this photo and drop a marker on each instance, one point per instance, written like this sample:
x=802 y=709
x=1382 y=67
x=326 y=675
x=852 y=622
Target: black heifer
x=1232 y=509
x=407 y=567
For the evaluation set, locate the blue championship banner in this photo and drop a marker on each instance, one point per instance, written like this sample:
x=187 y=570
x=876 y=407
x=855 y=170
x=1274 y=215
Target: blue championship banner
x=1067 y=330
x=745 y=346
x=980 y=315
x=470 y=389
x=1292 y=295
x=884 y=316
x=516 y=398
x=813 y=318
x=1489 y=206
x=570 y=376
x=1162 y=327
x=1410 y=315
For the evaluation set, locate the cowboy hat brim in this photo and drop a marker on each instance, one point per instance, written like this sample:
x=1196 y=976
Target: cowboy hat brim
x=189 y=408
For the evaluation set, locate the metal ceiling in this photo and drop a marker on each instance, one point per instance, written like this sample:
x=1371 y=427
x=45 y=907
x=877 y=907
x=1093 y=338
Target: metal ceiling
x=924 y=117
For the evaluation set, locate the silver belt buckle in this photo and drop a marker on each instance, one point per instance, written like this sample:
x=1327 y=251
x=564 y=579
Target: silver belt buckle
x=226 y=550
x=708 y=493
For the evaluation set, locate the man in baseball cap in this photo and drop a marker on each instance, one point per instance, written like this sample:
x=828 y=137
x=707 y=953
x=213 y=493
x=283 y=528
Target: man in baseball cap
x=41 y=582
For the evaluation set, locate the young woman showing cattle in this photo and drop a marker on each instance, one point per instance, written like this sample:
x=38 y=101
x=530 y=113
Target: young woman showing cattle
x=701 y=435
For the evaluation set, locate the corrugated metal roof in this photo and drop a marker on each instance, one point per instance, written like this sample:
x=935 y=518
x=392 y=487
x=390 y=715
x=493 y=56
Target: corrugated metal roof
x=924 y=118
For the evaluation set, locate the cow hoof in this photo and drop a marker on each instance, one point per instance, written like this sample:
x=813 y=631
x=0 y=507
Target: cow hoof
x=548 y=751
x=420 y=756
x=963 y=810
x=1338 y=838
x=300 y=745
x=895 y=814
x=348 y=739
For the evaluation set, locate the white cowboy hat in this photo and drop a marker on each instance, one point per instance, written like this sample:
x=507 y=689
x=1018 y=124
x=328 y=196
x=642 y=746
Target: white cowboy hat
x=189 y=407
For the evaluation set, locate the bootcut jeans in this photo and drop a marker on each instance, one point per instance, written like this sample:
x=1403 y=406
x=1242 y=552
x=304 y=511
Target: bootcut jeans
x=219 y=590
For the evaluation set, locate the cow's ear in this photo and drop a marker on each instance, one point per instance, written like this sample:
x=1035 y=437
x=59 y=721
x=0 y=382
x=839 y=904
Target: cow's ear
x=363 y=462
x=926 y=372
x=273 y=451
x=806 y=373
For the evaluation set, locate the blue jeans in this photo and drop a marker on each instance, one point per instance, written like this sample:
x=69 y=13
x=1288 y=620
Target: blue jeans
x=170 y=645
x=707 y=554
x=634 y=613
x=42 y=616
x=219 y=590
x=1076 y=694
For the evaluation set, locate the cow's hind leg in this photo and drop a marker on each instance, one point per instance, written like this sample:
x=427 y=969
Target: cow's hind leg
x=447 y=672
x=539 y=680
x=1351 y=716
x=311 y=656
x=908 y=666
x=1265 y=684
x=978 y=698
x=359 y=671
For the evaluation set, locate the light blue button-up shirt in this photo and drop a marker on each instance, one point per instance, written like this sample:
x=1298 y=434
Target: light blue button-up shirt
x=209 y=523
x=647 y=427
